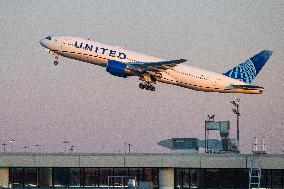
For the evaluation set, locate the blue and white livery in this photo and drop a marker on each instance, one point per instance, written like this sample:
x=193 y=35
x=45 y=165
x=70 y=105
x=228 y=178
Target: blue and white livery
x=124 y=63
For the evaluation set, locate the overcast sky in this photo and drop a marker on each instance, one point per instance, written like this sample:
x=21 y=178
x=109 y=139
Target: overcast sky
x=97 y=112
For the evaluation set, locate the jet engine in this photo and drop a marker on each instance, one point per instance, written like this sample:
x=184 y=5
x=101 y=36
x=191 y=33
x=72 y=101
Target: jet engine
x=117 y=68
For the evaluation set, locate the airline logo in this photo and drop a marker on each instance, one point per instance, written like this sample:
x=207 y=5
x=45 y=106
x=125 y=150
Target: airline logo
x=244 y=72
x=248 y=70
x=100 y=50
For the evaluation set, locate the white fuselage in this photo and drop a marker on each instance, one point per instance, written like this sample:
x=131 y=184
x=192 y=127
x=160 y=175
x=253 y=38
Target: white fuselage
x=181 y=75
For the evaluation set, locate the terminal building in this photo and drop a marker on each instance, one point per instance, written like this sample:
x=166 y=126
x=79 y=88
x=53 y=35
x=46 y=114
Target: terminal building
x=221 y=166
x=137 y=170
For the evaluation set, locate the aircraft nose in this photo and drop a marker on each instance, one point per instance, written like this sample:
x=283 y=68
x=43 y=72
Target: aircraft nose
x=43 y=42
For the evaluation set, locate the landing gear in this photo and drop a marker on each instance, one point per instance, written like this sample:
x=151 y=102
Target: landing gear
x=55 y=56
x=147 y=86
x=148 y=80
x=141 y=85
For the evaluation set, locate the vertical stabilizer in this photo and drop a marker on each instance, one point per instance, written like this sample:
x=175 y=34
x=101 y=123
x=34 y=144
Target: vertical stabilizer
x=249 y=69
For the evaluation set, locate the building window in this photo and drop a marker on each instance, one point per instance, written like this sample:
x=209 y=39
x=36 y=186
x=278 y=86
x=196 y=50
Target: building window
x=241 y=178
x=212 y=178
x=268 y=179
x=45 y=177
x=227 y=177
x=200 y=178
x=119 y=181
x=193 y=178
x=151 y=176
x=263 y=179
x=136 y=172
x=31 y=177
x=277 y=179
x=91 y=177
x=178 y=178
x=186 y=178
x=60 y=177
x=189 y=178
x=17 y=177
x=74 y=177
x=103 y=176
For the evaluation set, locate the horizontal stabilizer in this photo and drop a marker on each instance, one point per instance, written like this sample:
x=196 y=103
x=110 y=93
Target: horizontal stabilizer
x=249 y=69
x=248 y=88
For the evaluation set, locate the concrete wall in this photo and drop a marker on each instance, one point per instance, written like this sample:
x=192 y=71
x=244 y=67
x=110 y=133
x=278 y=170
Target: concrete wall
x=137 y=160
x=4 y=177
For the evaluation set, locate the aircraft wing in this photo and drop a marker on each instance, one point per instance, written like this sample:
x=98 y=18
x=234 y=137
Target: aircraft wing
x=146 y=64
x=155 y=66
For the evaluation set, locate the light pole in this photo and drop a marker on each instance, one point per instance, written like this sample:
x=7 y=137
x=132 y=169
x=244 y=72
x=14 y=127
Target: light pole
x=124 y=154
x=12 y=141
x=237 y=112
x=4 y=147
x=65 y=145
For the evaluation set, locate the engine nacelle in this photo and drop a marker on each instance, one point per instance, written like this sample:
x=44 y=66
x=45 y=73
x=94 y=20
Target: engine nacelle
x=117 y=68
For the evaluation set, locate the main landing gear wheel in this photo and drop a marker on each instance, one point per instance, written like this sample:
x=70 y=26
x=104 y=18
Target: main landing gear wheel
x=151 y=88
x=141 y=86
x=55 y=62
x=147 y=86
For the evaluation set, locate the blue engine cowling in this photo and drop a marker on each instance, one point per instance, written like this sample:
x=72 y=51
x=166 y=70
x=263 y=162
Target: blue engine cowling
x=116 y=68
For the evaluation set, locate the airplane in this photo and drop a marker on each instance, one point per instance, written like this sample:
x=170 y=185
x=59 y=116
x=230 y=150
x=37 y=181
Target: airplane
x=124 y=63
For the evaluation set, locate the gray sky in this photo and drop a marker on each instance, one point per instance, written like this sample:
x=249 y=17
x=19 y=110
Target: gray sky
x=46 y=104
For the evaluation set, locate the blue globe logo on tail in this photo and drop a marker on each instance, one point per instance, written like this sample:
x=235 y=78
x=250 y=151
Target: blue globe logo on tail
x=249 y=69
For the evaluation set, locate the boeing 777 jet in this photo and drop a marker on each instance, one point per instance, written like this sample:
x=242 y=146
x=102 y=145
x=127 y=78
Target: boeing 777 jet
x=124 y=63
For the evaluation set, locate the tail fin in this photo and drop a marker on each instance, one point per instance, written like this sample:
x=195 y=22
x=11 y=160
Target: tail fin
x=248 y=70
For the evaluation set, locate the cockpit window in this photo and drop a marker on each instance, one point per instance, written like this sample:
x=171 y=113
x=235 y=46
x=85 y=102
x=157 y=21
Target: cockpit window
x=48 y=38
